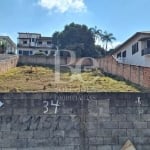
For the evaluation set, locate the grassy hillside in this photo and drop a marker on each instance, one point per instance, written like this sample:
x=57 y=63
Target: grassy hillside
x=28 y=78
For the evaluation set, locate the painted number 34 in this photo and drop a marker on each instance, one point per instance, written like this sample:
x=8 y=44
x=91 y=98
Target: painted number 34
x=46 y=106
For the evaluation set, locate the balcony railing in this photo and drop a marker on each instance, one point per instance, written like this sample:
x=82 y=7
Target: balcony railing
x=35 y=46
x=145 y=51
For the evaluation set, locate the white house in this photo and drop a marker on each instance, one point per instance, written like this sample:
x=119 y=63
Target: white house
x=135 y=50
x=7 y=45
x=33 y=43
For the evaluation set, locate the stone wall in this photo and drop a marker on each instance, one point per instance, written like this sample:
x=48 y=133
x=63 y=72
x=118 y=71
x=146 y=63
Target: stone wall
x=8 y=62
x=73 y=121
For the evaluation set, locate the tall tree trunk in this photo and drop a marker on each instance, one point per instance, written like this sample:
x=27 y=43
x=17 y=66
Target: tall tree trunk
x=106 y=45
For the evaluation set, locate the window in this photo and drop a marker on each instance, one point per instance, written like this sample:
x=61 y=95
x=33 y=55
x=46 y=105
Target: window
x=134 y=48
x=124 y=53
x=40 y=42
x=148 y=43
x=33 y=40
x=20 y=52
x=26 y=53
x=31 y=53
x=49 y=42
x=142 y=52
x=24 y=42
x=119 y=55
x=46 y=52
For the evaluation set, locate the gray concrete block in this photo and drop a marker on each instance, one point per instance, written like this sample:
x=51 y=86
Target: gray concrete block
x=69 y=141
x=118 y=103
x=143 y=147
x=92 y=147
x=96 y=141
x=109 y=124
x=10 y=135
x=6 y=111
x=44 y=142
x=119 y=132
x=114 y=110
x=146 y=117
x=40 y=134
x=141 y=125
x=116 y=147
x=132 y=132
x=111 y=140
x=25 y=135
x=127 y=110
x=73 y=133
x=134 y=117
x=142 y=140
x=13 y=143
x=19 y=111
x=107 y=147
x=119 y=117
x=144 y=133
x=126 y=125
x=92 y=125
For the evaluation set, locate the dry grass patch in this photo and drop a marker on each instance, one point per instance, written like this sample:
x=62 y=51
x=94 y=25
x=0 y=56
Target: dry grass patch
x=26 y=78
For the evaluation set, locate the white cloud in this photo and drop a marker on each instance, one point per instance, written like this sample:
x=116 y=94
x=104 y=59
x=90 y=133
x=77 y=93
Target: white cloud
x=4 y=34
x=110 y=45
x=63 y=5
x=113 y=44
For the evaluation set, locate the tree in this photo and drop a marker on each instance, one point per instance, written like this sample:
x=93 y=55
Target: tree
x=82 y=39
x=101 y=51
x=78 y=38
x=107 y=38
x=55 y=38
x=97 y=33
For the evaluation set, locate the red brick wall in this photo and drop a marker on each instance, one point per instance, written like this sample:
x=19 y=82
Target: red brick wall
x=109 y=61
x=142 y=76
x=136 y=74
x=119 y=69
x=126 y=72
x=146 y=77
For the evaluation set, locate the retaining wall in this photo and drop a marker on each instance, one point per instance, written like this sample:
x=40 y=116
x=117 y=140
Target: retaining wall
x=73 y=121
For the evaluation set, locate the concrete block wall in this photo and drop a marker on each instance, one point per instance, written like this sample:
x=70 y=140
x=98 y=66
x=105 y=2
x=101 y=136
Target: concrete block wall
x=39 y=60
x=73 y=121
